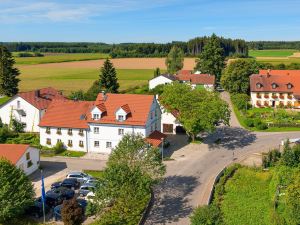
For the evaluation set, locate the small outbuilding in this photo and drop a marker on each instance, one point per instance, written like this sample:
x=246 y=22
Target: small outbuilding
x=23 y=156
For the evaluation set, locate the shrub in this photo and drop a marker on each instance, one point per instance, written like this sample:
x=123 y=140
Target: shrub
x=271 y=158
x=249 y=122
x=71 y=212
x=59 y=148
x=260 y=125
x=241 y=101
x=210 y=214
x=17 y=126
x=291 y=156
x=91 y=209
x=5 y=133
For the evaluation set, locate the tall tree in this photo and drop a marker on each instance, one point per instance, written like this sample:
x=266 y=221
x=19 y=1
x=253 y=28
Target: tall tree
x=174 y=60
x=156 y=72
x=211 y=59
x=16 y=191
x=8 y=73
x=235 y=77
x=108 y=78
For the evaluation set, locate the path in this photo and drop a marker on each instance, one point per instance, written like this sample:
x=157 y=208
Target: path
x=190 y=176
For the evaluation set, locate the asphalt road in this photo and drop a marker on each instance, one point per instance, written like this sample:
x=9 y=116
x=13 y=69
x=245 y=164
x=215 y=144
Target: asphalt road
x=190 y=176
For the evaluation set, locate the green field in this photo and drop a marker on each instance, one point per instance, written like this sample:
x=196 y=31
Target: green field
x=247 y=198
x=271 y=53
x=54 y=58
x=72 y=79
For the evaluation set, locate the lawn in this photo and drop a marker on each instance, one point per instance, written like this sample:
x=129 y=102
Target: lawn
x=94 y=173
x=71 y=79
x=63 y=57
x=272 y=53
x=4 y=99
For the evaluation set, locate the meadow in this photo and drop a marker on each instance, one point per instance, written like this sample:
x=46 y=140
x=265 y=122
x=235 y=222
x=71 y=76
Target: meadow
x=58 y=57
x=271 y=53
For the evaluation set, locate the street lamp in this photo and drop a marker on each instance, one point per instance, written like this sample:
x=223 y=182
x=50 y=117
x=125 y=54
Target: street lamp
x=162 y=149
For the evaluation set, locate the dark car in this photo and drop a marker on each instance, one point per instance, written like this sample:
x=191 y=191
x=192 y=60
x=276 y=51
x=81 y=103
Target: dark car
x=52 y=199
x=71 y=183
x=55 y=185
x=36 y=209
x=64 y=192
x=57 y=210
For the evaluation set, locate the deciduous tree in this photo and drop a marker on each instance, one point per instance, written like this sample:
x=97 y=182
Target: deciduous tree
x=174 y=60
x=71 y=212
x=108 y=78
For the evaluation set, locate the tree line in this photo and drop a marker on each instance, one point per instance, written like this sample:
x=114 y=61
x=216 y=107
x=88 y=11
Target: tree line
x=261 y=45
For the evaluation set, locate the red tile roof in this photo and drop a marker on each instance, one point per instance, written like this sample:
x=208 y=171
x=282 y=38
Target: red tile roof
x=101 y=107
x=155 y=138
x=41 y=98
x=184 y=72
x=12 y=152
x=280 y=77
x=66 y=113
x=197 y=78
x=280 y=72
x=126 y=108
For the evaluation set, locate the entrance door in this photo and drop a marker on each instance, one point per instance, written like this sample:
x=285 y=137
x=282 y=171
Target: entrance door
x=273 y=103
x=167 y=128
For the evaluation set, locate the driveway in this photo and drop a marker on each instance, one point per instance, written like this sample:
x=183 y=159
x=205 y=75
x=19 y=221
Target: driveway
x=56 y=169
x=190 y=176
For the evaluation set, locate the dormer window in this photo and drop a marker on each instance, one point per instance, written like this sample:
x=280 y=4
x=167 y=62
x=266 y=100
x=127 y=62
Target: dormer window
x=259 y=85
x=96 y=116
x=122 y=112
x=289 y=86
x=274 y=85
x=121 y=118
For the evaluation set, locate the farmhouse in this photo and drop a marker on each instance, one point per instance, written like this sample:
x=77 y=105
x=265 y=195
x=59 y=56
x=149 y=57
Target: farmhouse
x=22 y=156
x=275 y=88
x=29 y=107
x=162 y=79
x=99 y=126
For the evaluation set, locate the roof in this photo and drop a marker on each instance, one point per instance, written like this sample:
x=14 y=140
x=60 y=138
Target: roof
x=197 y=78
x=77 y=114
x=184 y=72
x=155 y=138
x=67 y=113
x=280 y=77
x=168 y=76
x=41 y=98
x=280 y=72
x=13 y=152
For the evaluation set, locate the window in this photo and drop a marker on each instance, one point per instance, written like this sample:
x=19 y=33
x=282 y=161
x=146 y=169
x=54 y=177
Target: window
x=96 y=144
x=58 y=131
x=81 y=132
x=48 y=141
x=58 y=140
x=96 y=130
x=48 y=130
x=70 y=131
x=18 y=104
x=108 y=144
x=259 y=85
x=155 y=113
x=289 y=86
x=80 y=143
x=120 y=117
x=121 y=131
x=27 y=155
x=151 y=117
x=274 y=85
x=29 y=164
x=70 y=143
x=96 y=116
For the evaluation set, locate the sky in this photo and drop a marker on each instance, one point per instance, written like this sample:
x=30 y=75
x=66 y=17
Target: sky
x=159 y=21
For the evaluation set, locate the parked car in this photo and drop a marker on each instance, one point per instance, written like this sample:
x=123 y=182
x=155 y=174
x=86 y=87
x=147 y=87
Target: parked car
x=92 y=181
x=55 y=185
x=86 y=188
x=80 y=176
x=71 y=183
x=90 y=196
x=52 y=199
x=36 y=210
x=57 y=210
x=64 y=192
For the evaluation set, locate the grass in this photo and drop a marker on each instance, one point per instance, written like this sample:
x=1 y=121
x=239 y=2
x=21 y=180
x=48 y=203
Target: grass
x=56 y=58
x=4 y=99
x=247 y=199
x=272 y=53
x=69 y=153
x=94 y=173
x=279 y=61
x=71 y=79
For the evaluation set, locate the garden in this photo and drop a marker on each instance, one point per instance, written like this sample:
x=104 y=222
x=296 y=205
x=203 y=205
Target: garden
x=267 y=119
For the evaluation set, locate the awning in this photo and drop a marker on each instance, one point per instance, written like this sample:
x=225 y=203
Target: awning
x=155 y=138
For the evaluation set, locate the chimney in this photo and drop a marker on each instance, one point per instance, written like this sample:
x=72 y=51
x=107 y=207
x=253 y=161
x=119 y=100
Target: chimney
x=269 y=73
x=104 y=96
x=37 y=93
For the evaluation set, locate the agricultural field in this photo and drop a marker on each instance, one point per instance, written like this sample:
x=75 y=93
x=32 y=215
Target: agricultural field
x=71 y=76
x=58 y=57
x=285 y=56
x=271 y=53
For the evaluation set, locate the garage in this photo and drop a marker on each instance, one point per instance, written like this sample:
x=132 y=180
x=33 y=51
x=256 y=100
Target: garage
x=180 y=130
x=167 y=128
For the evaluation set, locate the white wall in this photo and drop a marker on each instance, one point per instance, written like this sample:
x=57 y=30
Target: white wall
x=168 y=118
x=285 y=100
x=31 y=119
x=64 y=137
x=158 y=80
x=34 y=157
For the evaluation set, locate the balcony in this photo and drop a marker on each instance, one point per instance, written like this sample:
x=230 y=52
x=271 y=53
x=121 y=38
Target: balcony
x=266 y=104
x=266 y=95
x=281 y=96
x=290 y=96
x=274 y=96
x=258 y=96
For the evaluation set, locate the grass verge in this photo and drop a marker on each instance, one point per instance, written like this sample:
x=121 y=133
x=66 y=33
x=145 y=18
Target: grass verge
x=4 y=99
x=94 y=173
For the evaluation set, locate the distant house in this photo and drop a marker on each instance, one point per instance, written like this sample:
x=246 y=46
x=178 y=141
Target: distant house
x=98 y=126
x=29 y=107
x=22 y=156
x=161 y=79
x=275 y=88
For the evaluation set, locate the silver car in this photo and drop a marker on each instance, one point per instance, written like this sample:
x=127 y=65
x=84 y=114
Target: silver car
x=80 y=176
x=86 y=188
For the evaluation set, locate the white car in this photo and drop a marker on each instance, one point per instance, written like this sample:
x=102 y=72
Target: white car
x=90 y=196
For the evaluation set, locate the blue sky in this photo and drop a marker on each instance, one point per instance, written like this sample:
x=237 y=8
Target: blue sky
x=115 y=21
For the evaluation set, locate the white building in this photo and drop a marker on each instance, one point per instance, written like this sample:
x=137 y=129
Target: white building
x=22 y=156
x=28 y=107
x=275 y=88
x=99 y=126
x=161 y=79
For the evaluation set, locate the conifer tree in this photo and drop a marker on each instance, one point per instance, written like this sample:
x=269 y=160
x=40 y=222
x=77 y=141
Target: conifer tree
x=8 y=73
x=108 y=78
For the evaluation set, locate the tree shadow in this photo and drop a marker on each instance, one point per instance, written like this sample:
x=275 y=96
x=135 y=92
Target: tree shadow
x=177 y=142
x=230 y=138
x=170 y=199
x=49 y=168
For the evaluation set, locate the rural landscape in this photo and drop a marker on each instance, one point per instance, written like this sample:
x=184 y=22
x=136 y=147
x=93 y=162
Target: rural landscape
x=110 y=115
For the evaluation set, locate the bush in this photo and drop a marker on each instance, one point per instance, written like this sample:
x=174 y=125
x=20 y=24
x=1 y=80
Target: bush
x=241 y=101
x=59 y=148
x=17 y=126
x=71 y=212
x=5 y=134
x=206 y=215
x=291 y=156
x=260 y=125
x=271 y=158
x=249 y=122
x=91 y=209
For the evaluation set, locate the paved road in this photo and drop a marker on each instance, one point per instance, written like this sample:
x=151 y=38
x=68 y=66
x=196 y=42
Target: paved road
x=190 y=176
